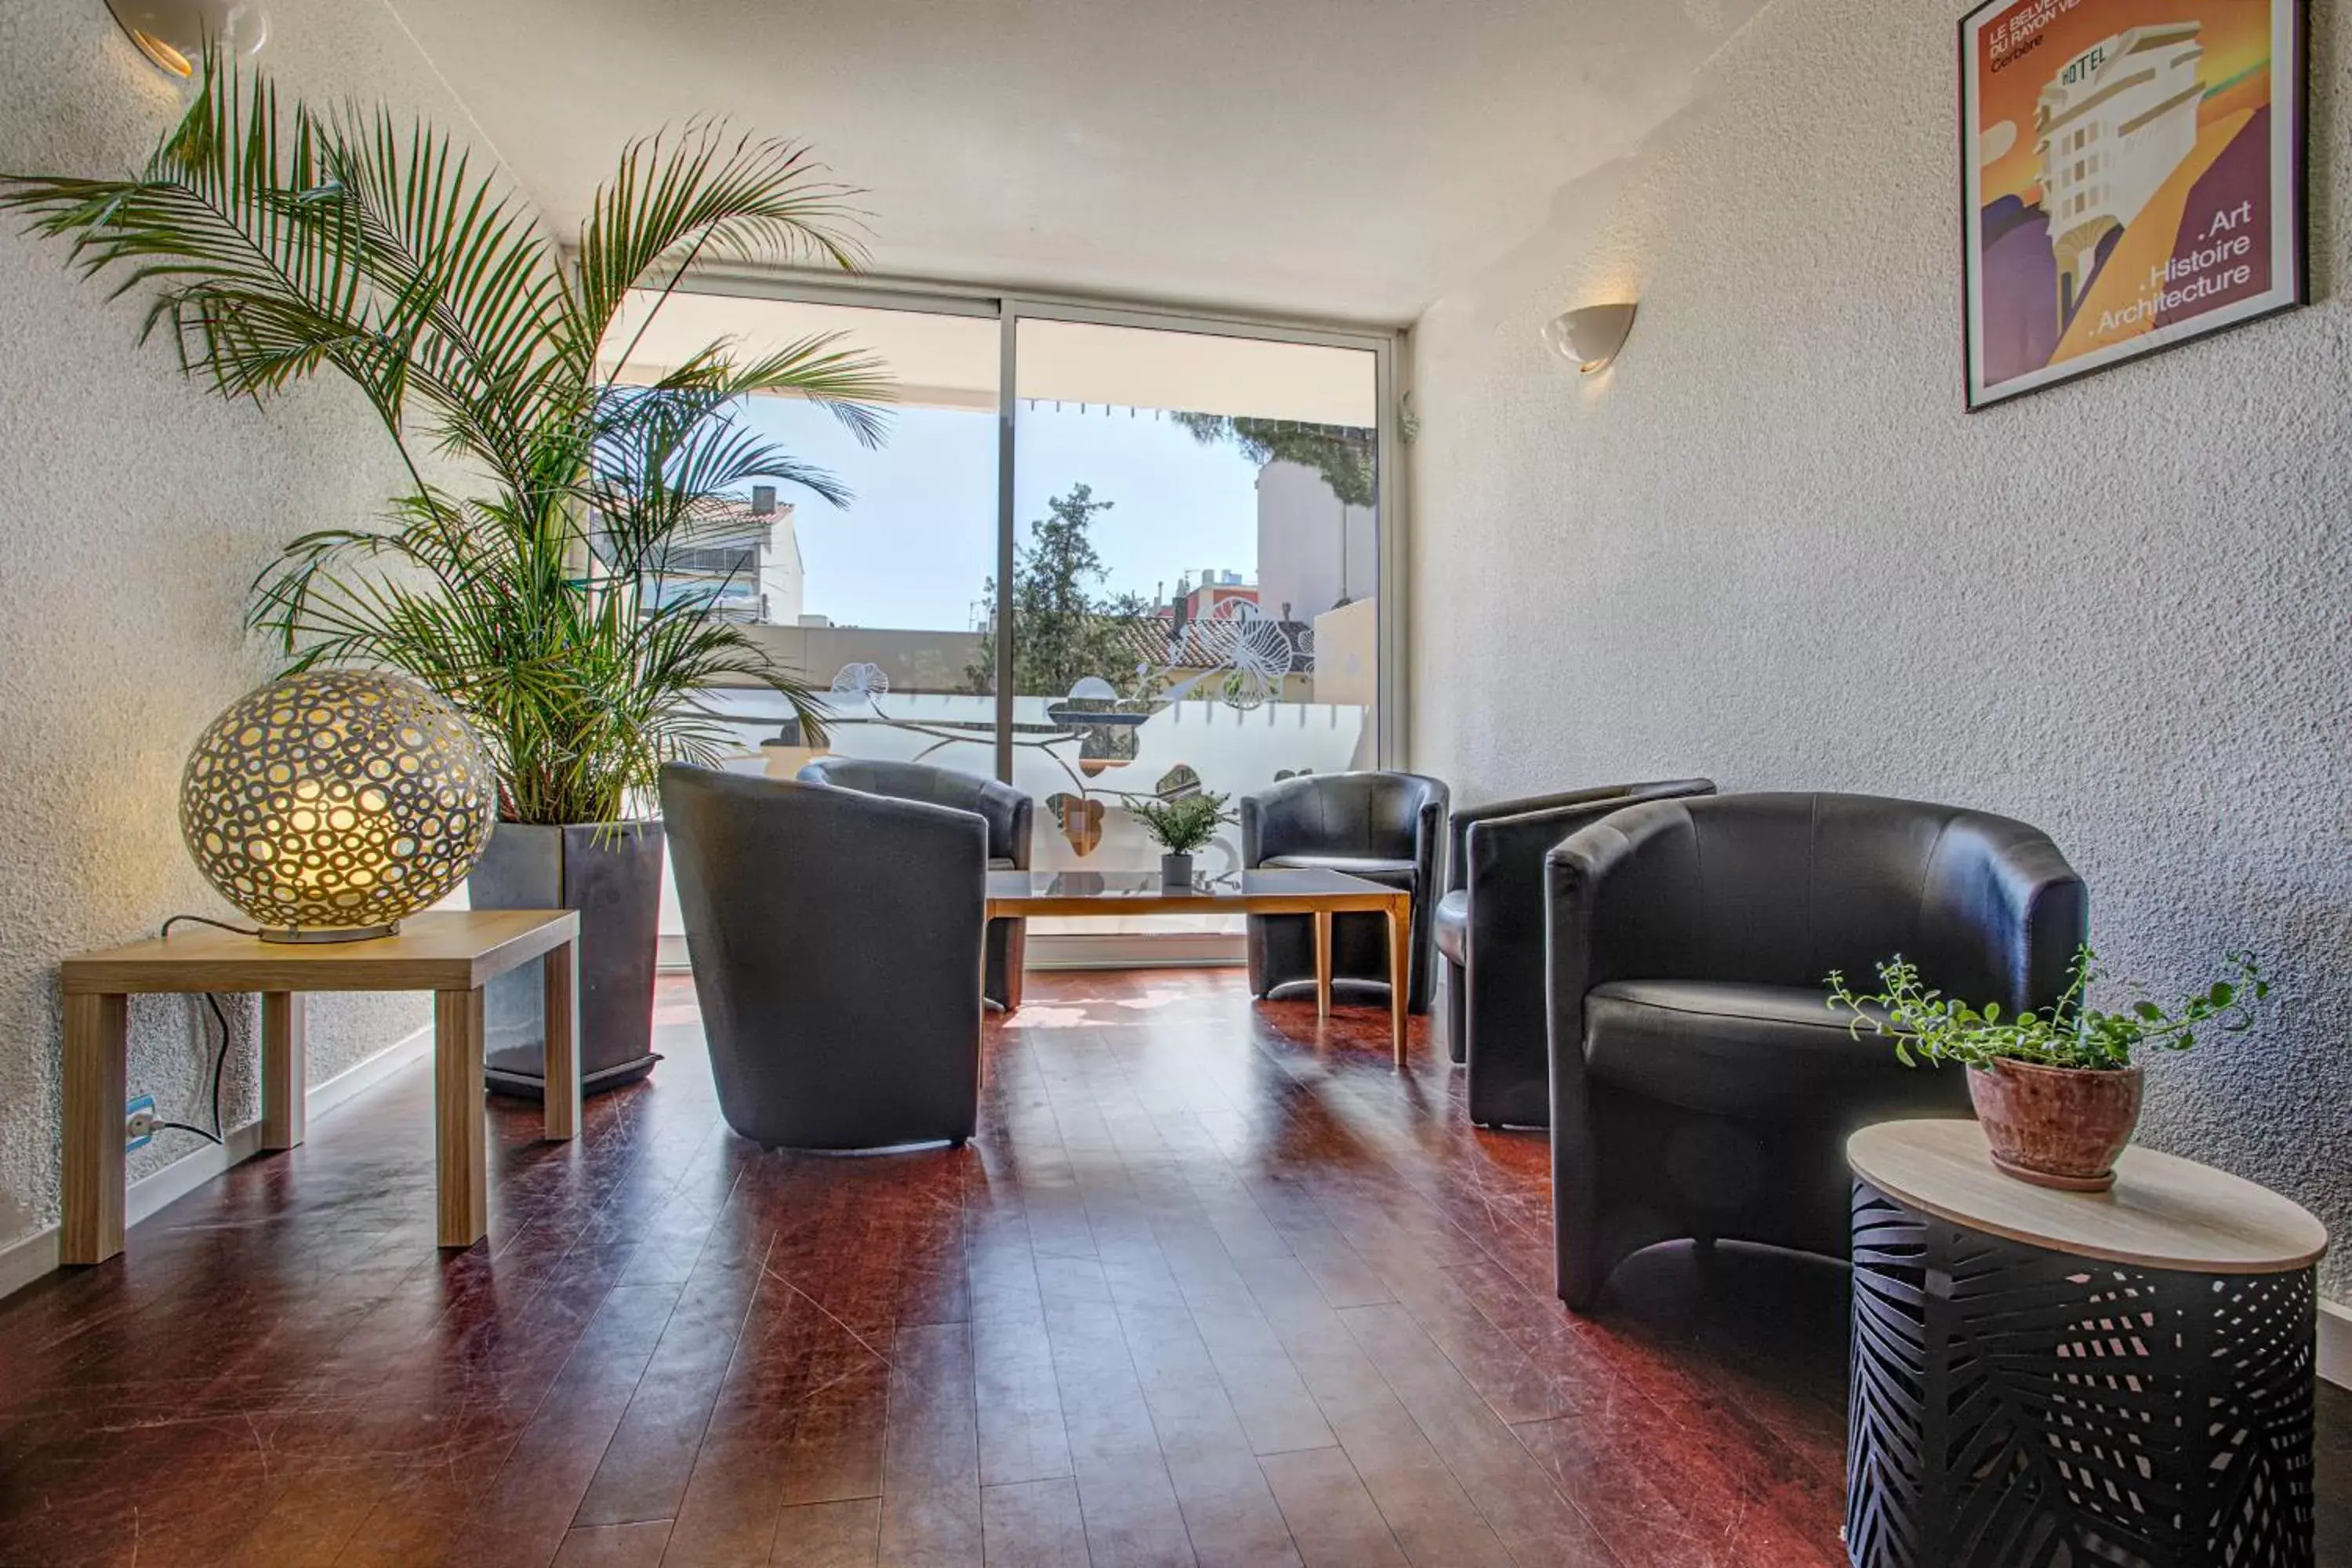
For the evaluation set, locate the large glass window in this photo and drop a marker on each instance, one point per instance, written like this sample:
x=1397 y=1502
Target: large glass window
x=1194 y=596
x=875 y=597
x=1192 y=519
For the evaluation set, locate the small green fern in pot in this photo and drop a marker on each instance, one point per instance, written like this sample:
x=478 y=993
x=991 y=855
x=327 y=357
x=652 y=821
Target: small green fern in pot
x=2058 y=1090
x=1180 y=826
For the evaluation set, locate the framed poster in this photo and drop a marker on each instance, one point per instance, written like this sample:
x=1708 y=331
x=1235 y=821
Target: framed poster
x=2132 y=177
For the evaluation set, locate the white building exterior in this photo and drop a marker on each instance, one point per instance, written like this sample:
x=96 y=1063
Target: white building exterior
x=2111 y=128
x=752 y=557
x=1314 y=551
x=784 y=581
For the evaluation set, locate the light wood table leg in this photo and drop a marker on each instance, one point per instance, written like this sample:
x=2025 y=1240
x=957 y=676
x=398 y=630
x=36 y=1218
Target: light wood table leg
x=284 y=1069
x=559 y=1103
x=1400 y=973
x=97 y=1045
x=461 y=1145
x=1322 y=919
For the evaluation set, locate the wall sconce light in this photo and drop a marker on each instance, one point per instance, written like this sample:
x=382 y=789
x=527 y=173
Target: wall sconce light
x=1591 y=336
x=173 y=33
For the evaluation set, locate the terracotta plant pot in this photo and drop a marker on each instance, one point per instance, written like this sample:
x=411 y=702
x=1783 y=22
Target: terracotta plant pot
x=2056 y=1127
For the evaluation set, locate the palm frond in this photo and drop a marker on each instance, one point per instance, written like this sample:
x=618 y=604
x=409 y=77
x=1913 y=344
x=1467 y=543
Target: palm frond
x=699 y=194
x=276 y=244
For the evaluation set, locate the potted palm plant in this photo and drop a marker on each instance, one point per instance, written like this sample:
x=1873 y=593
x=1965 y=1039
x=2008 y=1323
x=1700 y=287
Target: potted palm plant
x=1180 y=826
x=2058 y=1091
x=524 y=572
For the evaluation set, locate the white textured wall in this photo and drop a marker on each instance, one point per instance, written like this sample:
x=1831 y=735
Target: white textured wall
x=1770 y=547
x=134 y=511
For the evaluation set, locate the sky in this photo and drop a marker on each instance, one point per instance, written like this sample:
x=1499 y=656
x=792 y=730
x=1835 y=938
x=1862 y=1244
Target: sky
x=919 y=541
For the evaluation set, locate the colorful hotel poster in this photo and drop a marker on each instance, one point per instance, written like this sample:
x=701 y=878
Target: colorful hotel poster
x=2132 y=170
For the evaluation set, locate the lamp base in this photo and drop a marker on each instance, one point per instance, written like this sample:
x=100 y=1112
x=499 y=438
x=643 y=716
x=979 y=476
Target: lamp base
x=328 y=934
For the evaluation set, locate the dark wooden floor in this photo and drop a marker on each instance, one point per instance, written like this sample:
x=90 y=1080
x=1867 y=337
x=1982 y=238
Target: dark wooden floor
x=1212 y=1285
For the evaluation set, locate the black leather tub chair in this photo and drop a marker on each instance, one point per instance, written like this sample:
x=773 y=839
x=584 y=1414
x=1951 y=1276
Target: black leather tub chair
x=1009 y=813
x=840 y=986
x=1700 y=1085
x=1383 y=827
x=1489 y=930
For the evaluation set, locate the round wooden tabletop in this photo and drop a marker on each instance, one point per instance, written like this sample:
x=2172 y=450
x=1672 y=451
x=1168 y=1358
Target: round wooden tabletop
x=2162 y=1213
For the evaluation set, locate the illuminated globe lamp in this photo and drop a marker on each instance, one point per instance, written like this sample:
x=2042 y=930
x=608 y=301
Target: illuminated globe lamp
x=332 y=805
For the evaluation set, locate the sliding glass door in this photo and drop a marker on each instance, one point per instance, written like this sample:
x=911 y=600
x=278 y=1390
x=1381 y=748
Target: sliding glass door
x=1195 y=587
x=1111 y=556
x=873 y=593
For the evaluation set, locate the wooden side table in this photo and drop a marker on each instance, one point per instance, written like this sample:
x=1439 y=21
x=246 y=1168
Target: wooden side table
x=2041 y=1377
x=452 y=954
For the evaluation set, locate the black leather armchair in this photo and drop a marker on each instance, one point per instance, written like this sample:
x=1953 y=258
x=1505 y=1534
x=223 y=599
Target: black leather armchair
x=1009 y=813
x=1489 y=930
x=1700 y=1085
x=1384 y=827
x=836 y=945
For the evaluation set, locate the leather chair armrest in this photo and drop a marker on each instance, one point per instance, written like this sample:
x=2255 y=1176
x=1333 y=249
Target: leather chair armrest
x=1457 y=863
x=2053 y=907
x=1010 y=816
x=1252 y=823
x=1025 y=831
x=1428 y=844
x=1501 y=862
x=1531 y=825
x=2016 y=909
x=1621 y=901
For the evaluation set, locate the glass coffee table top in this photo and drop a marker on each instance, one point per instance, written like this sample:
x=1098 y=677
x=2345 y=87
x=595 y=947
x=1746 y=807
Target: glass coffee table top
x=1321 y=894
x=1146 y=887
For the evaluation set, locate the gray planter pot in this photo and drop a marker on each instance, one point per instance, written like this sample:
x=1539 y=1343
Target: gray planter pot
x=1176 y=872
x=614 y=880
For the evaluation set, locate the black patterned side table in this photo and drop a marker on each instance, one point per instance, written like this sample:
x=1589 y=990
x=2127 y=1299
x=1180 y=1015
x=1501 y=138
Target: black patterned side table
x=2102 y=1380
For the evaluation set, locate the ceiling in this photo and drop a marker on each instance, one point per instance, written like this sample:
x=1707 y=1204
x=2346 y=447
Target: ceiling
x=1336 y=159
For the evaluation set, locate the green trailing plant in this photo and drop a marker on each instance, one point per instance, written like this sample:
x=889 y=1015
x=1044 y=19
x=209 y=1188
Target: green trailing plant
x=1185 y=824
x=1926 y=1024
x=526 y=580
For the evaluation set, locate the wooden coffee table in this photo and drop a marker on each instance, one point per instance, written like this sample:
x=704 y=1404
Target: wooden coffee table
x=1017 y=895
x=452 y=954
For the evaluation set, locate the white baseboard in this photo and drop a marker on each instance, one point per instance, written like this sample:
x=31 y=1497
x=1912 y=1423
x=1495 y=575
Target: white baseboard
x=1154 y=950
x=29 y=1257
x=365 y=1075
x=2335 y=1343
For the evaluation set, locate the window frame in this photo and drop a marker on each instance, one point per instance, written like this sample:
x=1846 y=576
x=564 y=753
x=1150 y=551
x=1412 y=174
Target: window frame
x=1009 y=307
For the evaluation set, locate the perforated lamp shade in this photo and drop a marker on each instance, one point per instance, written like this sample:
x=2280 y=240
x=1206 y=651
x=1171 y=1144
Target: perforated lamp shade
x=331 y=806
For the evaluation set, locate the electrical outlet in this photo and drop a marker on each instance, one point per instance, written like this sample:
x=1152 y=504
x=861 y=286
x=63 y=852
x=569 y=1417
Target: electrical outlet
x=138 y=1124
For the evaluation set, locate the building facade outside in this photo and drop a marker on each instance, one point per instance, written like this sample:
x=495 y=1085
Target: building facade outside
x=750 y=555
x=1314 y=551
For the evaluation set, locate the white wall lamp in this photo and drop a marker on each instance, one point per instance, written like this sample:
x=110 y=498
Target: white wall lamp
x=173 y=33
x=1591 y=336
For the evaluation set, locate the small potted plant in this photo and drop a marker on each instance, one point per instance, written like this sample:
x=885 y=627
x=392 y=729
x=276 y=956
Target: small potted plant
x=2057 y=1091
x=1180 y=826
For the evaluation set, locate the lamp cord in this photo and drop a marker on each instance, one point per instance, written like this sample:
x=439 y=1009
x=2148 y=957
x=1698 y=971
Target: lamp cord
x=207 y=920
x=220 y=1016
